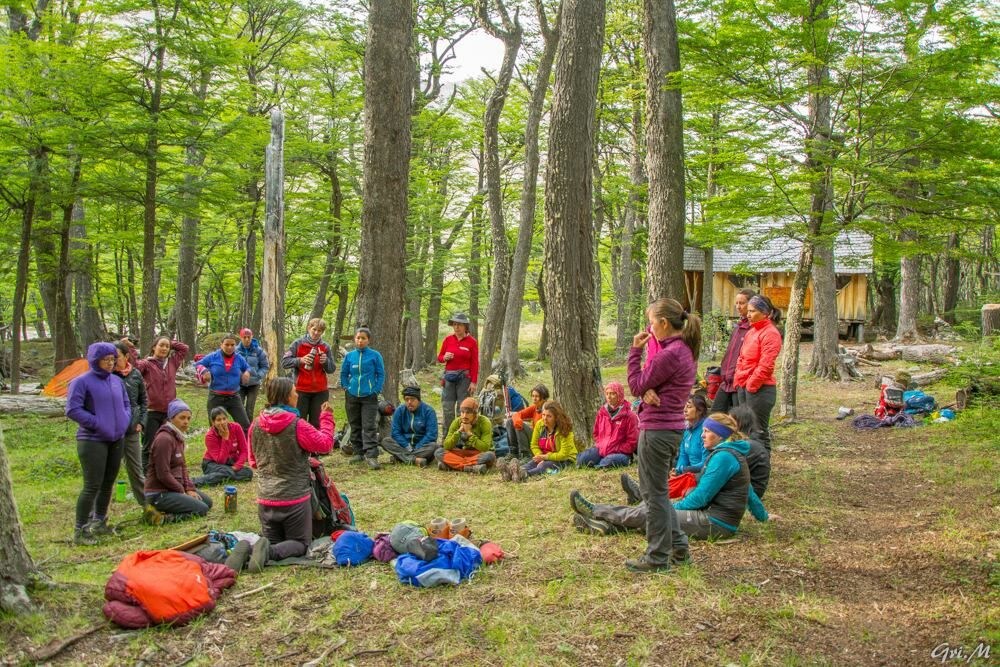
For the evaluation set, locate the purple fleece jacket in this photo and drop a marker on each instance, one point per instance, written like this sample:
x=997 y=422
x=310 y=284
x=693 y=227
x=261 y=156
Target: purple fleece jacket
x=98 y=401
x=671 y=374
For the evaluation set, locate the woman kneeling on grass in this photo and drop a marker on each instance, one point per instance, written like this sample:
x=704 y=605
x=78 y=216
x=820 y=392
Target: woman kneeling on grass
x=552 y=446
x=225 y=451
x=714 y=508
x=281 y=443
x=170 y=493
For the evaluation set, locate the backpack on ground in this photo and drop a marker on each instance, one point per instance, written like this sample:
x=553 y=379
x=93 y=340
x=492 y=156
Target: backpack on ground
x=331 y=508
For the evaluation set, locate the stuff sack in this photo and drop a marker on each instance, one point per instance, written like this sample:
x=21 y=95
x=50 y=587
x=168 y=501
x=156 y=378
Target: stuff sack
x=713 y=380
x=331 y=508
x=918 y=403
x=500 y=443
x=171 y=587
x=454 y=563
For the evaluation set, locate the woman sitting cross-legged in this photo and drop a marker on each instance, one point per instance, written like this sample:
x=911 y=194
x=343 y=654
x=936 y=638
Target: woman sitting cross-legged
x=714 y=508
x=281 y=443
x=552 y=445
x=468 y=447
x=170 y=493
x=616 y=432
x=225 y=451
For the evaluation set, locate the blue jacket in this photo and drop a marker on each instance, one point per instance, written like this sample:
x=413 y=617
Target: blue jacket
x=414 y=429
x=692 y=453
x=256 y=359
x=720 y=470
x=223 y=382
x=362 y=373
x=98 y=401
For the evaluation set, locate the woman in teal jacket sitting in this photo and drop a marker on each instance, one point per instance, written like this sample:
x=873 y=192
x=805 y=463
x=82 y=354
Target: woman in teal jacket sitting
x=692 y=451
x=362 y=375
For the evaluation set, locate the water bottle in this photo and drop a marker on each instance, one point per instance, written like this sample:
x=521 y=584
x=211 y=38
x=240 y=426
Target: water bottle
x=230 y=500
x=121 y=491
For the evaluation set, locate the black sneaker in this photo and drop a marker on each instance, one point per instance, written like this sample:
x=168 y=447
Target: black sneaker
x=580 y=504
x=373 y=463
x=592 y=526
x=84 y=537
x=680 y=557
x=631 y=488
x=259 y=555
x=101 y=527
x=641 y=564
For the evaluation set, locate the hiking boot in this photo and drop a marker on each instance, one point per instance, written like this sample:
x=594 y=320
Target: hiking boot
x=517 y=472
x=101 y=527
x=443 y=466
x=420 y=462
x=643 y=565
x=238 y=557
x=152 y=516
x=373 y=463
x=84 y=537
x=592 y=526
x=680 y=557
x=259 y=556
x=505 y=472
x=631 y=488
x=580 y=504
x=357 y=458
x=478 y=469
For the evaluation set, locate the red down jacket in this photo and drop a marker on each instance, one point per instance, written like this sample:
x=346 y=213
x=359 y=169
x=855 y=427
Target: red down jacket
x=153 y=587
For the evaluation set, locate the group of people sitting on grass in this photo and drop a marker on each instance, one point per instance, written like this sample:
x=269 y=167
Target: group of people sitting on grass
x=720 y=460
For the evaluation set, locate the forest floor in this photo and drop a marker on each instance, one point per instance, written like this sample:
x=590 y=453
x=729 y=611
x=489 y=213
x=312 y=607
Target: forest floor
x=887 y=552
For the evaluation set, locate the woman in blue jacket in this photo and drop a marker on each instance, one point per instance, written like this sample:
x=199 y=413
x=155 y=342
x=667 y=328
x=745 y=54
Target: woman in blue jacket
x=99 y=403
x=256 y=358
x=692 y=451
x=362 y=375
x=225 y=372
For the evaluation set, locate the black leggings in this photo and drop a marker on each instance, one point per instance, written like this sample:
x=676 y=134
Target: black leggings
x=310 y=403
x=233 y=405
x=99 y=462
x=154 y=420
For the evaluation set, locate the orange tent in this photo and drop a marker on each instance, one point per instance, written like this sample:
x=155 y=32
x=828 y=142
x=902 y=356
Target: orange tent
x=58 y=385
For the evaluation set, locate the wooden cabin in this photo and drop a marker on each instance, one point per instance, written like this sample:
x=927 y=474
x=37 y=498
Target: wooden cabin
x=767 y=264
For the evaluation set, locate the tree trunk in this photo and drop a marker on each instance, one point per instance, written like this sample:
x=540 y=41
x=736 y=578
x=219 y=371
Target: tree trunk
x=147 y=326
x=475 y=260
x=529 y=195
x=793 y=333
x=629 y=304
x=510 y=35
x=569 y=243
x=273 y=272
x=909 y=298
x=826 y=362
x=990 y=315
x=952 y=280
x=186 y=305
x=665 y=152
x=884 y=316
x=21 y=293
x=336 y=241
x=88 y=319
x=543 y=342
x=16 y=566
x=387 y=108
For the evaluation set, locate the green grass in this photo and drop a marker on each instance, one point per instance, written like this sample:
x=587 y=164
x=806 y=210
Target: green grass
x=887 y=546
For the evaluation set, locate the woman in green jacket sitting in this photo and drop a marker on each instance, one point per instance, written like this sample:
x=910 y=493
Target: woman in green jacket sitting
x=552 y=445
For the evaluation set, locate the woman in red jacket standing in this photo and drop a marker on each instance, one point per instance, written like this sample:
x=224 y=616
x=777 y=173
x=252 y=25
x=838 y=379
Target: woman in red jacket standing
x=754 y=379
x=310 y=359
x=460 y=356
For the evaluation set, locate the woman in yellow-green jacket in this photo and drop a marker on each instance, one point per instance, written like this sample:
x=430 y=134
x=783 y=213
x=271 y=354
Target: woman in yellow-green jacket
x=552 y=444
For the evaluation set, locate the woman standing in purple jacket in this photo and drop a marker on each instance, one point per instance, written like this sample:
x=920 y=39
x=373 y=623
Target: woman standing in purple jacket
x=670 y=375
x=725 y=398
x=99 y=403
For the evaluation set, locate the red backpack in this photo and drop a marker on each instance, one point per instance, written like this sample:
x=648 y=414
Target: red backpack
x=331 y=508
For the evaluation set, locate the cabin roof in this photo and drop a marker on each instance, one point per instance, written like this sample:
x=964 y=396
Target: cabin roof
x=768 y=248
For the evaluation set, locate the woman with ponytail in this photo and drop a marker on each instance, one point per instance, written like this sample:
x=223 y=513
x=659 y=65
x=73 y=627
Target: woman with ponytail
x=754 y=378
x=670 y=375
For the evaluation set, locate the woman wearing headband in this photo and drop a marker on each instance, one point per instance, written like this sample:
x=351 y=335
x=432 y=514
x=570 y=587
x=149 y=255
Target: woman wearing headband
x=713 y=508
x=754 y=379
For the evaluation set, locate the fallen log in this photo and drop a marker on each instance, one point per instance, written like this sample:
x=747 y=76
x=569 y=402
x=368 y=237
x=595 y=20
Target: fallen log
x=877 y=354
x=26 y=404
x=930 y=377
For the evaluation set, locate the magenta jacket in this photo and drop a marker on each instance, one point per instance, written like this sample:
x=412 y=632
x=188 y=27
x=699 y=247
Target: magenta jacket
x=161 y=376
x=618 y=434
x=671 y=374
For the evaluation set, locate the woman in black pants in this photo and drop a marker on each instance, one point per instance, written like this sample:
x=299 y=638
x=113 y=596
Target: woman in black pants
x=99 y=403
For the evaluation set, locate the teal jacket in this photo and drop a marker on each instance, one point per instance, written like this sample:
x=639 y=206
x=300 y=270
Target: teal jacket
x=362 y=373
x=718 y=471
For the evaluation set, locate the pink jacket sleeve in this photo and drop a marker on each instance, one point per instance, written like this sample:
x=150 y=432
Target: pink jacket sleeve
x=313 y=440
